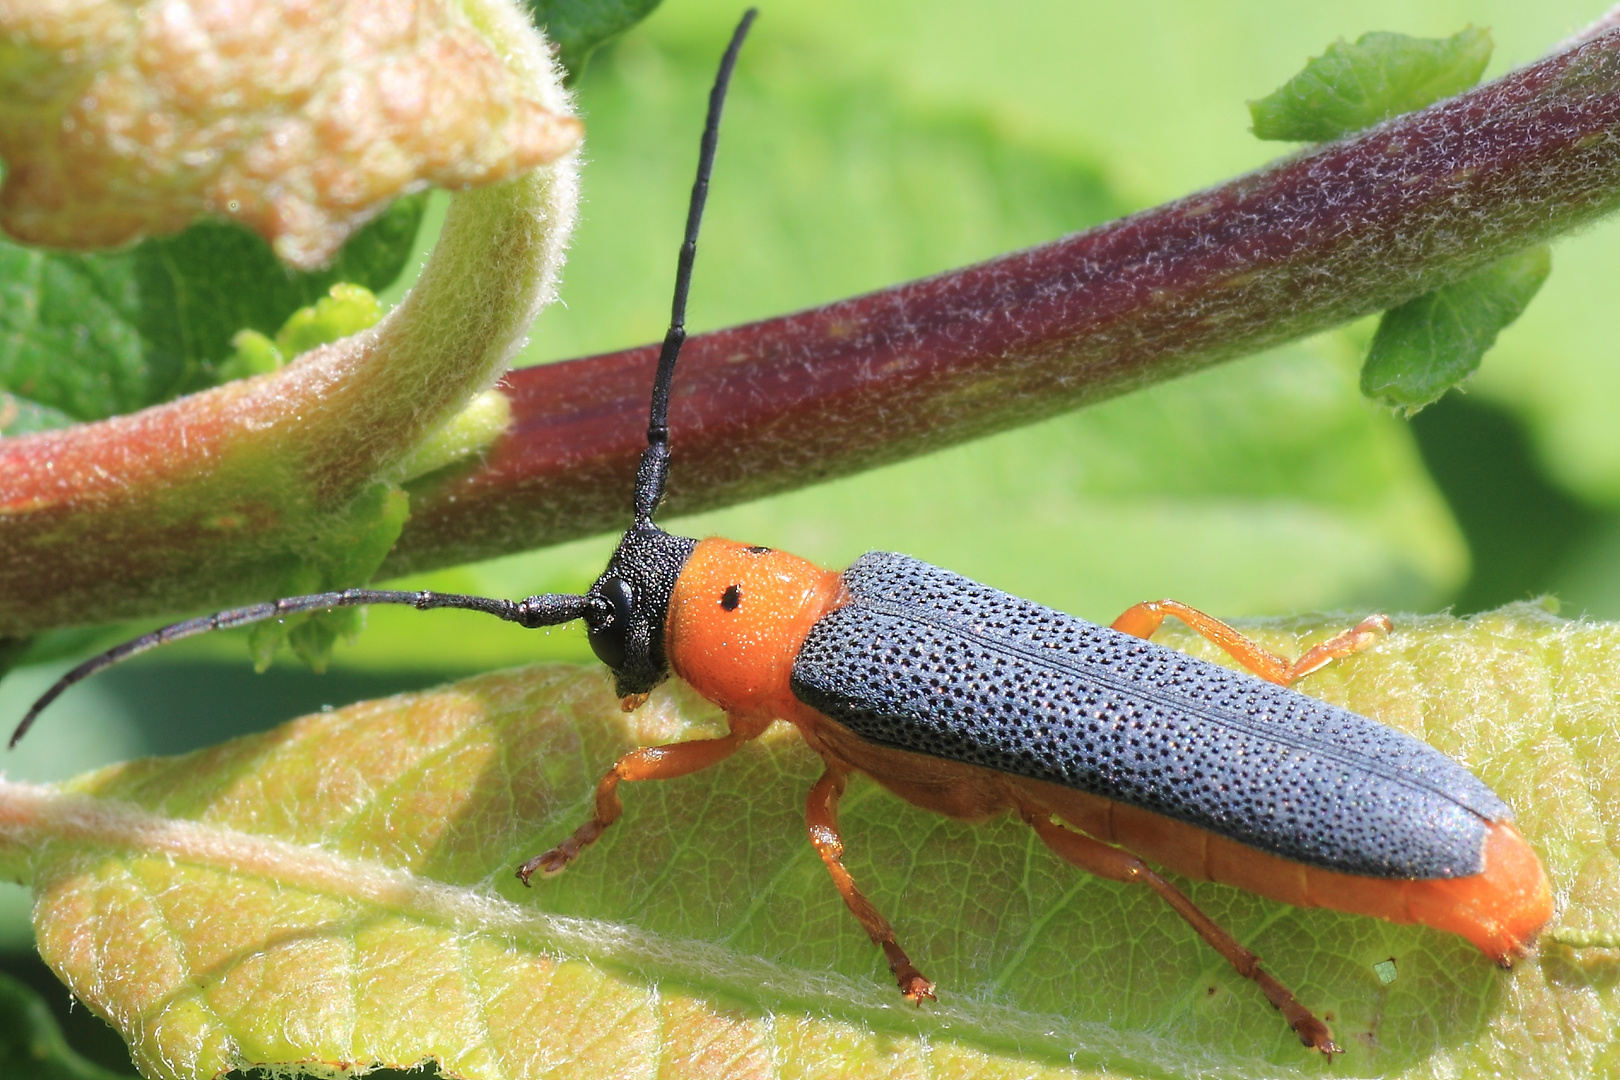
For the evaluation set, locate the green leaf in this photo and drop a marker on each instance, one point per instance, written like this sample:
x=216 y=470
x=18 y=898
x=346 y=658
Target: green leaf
x=340 y=889
x=579 y=27
x=1350 y=87
x=31 y=1043
x=93 y=336
x=1430 y=344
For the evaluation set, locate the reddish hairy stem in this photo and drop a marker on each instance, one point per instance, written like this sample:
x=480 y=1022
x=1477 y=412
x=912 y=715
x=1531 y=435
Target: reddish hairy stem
x=1349 y=229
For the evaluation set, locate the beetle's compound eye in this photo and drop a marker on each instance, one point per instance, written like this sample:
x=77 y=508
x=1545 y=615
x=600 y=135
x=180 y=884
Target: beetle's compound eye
x=731 y=598
x=607 y=622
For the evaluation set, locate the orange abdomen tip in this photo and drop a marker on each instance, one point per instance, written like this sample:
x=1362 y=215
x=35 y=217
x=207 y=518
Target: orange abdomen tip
x=1502 y=909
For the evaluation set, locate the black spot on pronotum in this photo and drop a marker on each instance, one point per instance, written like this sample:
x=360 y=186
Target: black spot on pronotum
x=731 y=597
x=757 y=550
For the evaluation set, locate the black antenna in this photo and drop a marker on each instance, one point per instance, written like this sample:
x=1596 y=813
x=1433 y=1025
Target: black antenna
x=551 y=609
x=654 y=468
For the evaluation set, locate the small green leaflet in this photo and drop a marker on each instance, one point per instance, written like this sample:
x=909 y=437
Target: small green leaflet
x=93 y=336
x=1435 y=341
x=578 y=27
x=1432 y=343
x=345 y=309
x=1350 y=87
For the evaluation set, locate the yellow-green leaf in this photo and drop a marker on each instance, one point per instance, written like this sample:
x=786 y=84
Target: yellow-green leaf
x=340 y=890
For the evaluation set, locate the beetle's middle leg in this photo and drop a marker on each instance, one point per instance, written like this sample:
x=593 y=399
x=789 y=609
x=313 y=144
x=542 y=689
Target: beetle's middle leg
x=821 y=816
x=646 y=763
x=1143 y=619
x=1116 y=864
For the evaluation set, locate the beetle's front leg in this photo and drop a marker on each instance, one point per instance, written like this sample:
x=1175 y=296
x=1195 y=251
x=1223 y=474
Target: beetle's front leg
x=821 y=817
x=646 y=763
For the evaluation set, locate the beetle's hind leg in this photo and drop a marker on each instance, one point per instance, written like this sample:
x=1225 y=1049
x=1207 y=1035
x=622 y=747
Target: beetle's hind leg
x=646 y=763
x=1143 y=619
x=821 y=817
x=1116 y=864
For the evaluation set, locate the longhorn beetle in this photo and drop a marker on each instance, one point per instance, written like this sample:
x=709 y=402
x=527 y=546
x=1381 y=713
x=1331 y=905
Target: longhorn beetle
x=970 y=702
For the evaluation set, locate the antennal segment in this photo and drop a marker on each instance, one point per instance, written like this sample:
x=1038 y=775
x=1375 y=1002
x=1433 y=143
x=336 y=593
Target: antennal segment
x=654 y=467
x=551 y=609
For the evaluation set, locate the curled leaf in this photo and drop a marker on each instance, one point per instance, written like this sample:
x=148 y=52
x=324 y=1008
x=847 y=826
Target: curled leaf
x=340 y=890
x=301 y=121
x=271 y=466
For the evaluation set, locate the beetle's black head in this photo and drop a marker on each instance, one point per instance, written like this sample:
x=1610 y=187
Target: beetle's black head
x=627 y=607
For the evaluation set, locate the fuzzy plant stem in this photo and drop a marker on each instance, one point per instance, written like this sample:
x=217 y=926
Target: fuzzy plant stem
x=1313 y=241
x=1328 y=236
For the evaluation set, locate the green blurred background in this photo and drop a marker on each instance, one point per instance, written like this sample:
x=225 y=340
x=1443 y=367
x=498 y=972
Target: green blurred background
x=867 y=144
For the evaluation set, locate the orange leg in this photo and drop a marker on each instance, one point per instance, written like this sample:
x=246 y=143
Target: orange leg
x=1116 y=864
x=821 y=816
x=647 y=763
x=1143 y=619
